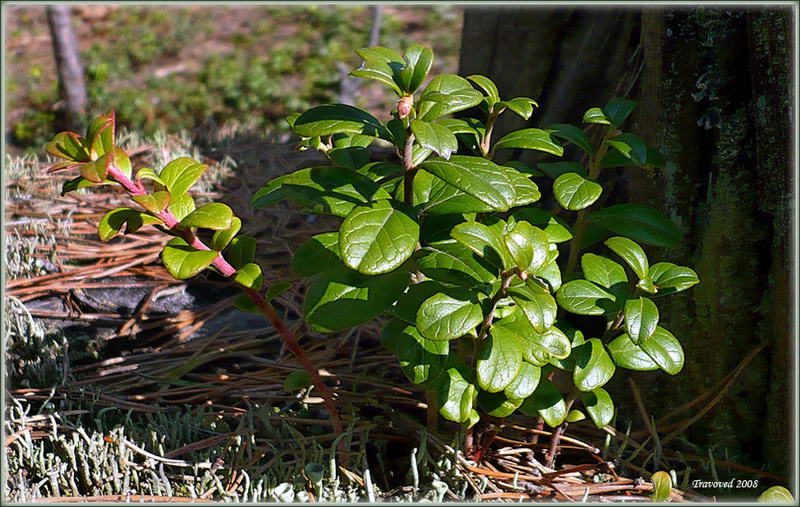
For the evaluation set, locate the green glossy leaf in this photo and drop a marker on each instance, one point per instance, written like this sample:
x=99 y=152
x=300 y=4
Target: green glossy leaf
x=647 y=285
x=617 y=110
x=664 y=349
x=332 y=119
x=583 y=297
x=599 y=406
x=524 y=383
x=121 y=161
x=447 y=316
x=182 y=206
x=180 y=174
x=574 y=192
x=530 y=139
x=524 y=168
x=478 y=177
x=631 y=253
x=536 y=304
x=522 y=106
x=450 y=261
x=422 y=360
x=776 y=494
x=488 y=87
x=223 y=237
x=249 y=276
x=498 y=404
x=456 y=395
x=546 y=402
x=640 y=223
x=155 y=202
x=670 y=278
x=377 y=238
x=113 y=221
x=296 y=381
x=662 y=486
x=341 y=298
x=527 y=246
x=631 y=147
x=463 y=126
x=408 y=304
x=539 y=348
x=351 y=157
x=418 y=60
x=351 y=140
x=604 y=272
x=593 y=366
x=596 y=115
x=572 y=134
x=641 y=318
x=183 y=261
x=447 y=94
x=329 y=190
x=241 y=251
x=435 y=137
x=557 y=229
x=499 y=359
x=377 y=171
x=574 y=416
x=276 y=289
x=551 y=274
x=627 y=354
x=483 y=241
x=381 y=64
x=215 y=215
x=316 y=254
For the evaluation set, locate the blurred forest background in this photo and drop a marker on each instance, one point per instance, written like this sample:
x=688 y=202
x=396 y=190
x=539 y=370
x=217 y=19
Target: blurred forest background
x=715 y=95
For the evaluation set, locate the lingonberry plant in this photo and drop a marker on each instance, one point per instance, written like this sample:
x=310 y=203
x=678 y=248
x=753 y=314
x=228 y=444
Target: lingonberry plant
x=446 y=243
x=488 y=298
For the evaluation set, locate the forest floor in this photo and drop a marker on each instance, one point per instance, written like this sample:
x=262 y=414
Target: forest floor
x=190 y=68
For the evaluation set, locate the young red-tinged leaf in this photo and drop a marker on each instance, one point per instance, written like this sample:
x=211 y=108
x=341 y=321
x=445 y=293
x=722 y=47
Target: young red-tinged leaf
x=154 y=203
x=146 y=173
x=215 y=216
x=249 y=276
x=68 y=145
x=121 y=161
x=96 y=170
x=183 y=261
x=100 y=135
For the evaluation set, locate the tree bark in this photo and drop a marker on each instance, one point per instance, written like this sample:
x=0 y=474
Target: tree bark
x=713 y=87
x=68 y=64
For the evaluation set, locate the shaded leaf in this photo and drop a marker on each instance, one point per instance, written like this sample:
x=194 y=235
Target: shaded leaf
x=316 y=254
x=640 y=223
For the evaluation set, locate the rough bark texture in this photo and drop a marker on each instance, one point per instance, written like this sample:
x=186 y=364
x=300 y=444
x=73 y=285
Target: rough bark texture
x=68 y=64
x=714 y=92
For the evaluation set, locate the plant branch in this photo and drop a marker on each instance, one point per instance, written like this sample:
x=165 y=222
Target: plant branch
x=550 y=457
x=408 y=166
x=289 y=339
x=579 y=229
x=487 y=136
x=507 y=277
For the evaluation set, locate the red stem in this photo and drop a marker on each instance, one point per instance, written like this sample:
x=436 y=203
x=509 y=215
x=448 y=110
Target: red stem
x=289 y=339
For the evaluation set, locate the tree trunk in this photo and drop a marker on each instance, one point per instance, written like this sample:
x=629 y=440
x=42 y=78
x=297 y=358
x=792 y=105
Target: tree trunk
x=68 y=64
x=713 y=88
